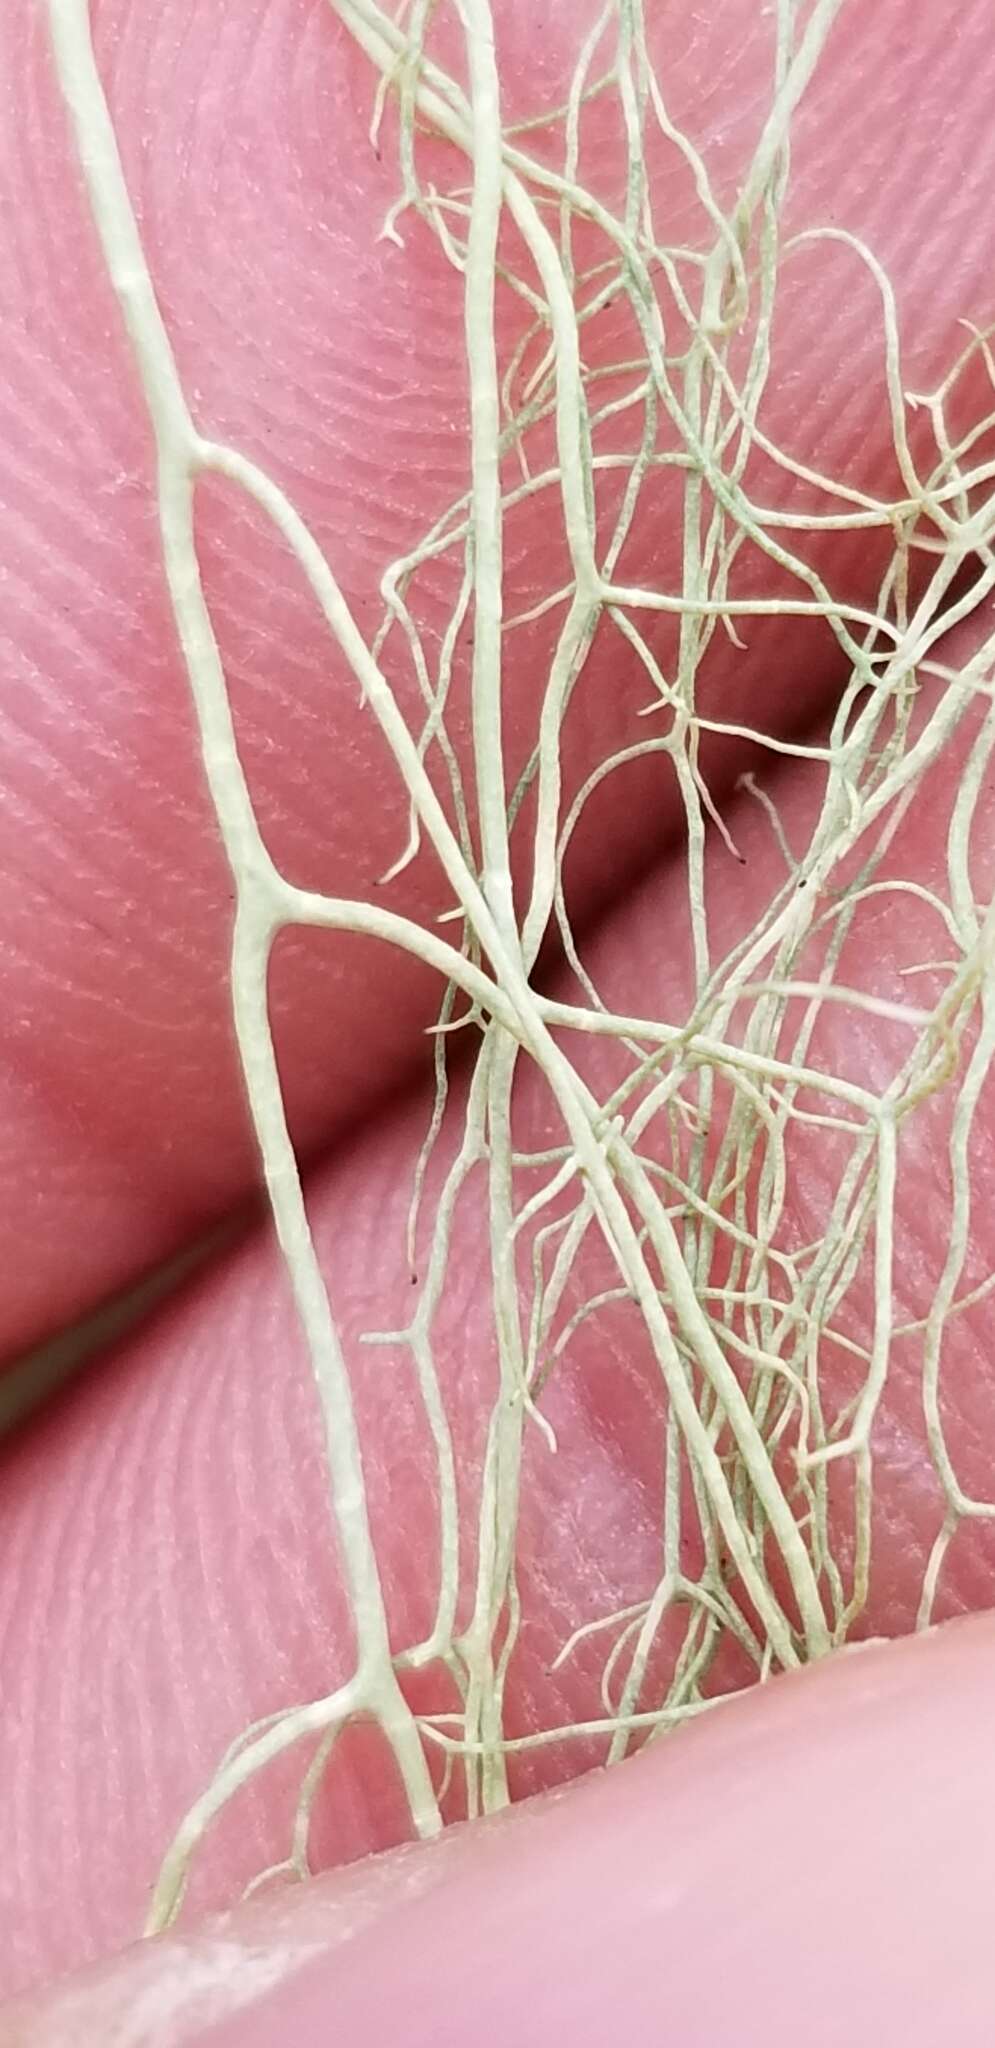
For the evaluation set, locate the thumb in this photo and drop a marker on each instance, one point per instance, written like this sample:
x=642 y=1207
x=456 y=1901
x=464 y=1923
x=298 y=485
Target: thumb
x=811 y=1861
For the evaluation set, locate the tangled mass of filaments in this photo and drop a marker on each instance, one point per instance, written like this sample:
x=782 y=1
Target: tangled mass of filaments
x=682 y=1172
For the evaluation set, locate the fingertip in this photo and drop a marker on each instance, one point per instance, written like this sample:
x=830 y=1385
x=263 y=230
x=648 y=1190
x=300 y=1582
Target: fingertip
x=811 y=1862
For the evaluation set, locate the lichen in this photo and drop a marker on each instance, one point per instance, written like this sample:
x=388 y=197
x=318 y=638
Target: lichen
x=737 y=1319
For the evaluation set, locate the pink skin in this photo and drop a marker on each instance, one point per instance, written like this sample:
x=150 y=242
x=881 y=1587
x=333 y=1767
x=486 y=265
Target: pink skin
x=169 y=1571
x=315 y=349
x=815 y=1861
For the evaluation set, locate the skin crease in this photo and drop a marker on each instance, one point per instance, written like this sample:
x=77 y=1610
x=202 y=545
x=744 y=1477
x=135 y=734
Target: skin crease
x=168 y=1570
